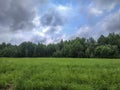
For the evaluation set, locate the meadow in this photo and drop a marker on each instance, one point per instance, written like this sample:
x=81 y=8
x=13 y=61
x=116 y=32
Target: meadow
x=59 y=74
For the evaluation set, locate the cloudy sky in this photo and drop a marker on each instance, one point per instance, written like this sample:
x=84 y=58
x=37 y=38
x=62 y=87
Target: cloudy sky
x=49 y=21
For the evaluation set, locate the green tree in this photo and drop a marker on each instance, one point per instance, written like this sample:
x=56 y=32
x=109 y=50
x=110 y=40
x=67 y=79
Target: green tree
x=102 y=40
x=27 y=49
x=90 y=47
x=10 y=51
x=40 y=50
x=106 y=51
x=50 y=49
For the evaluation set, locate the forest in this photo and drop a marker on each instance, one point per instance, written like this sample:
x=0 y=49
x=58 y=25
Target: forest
x=103 y=47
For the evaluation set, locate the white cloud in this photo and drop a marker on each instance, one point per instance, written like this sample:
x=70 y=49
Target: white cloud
x=84 y=31
x=105 y=5
x=47 y=34
x=23 y=21
x=65 y=11
x=111 y=23
x=36 y=20
x=95 y=11
x=101 y=7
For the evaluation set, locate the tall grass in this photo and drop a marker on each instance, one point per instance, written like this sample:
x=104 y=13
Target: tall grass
x=59 y=74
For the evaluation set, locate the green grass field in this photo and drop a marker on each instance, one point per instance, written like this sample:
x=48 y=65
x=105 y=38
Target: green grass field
x=59 y=74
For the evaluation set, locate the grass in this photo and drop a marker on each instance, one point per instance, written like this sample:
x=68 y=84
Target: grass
x=59 y=74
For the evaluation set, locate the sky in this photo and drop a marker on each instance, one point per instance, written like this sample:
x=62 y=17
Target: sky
x=50 y=21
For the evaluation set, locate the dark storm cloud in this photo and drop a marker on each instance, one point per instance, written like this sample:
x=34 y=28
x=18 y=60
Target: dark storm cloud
x=52 y=18
x=16 y=14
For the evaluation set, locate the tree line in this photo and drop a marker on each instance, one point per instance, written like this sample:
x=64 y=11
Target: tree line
x=103 y=47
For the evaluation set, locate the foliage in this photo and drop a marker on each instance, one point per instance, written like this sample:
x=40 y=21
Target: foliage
x=104 y=47
x=106 y=51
